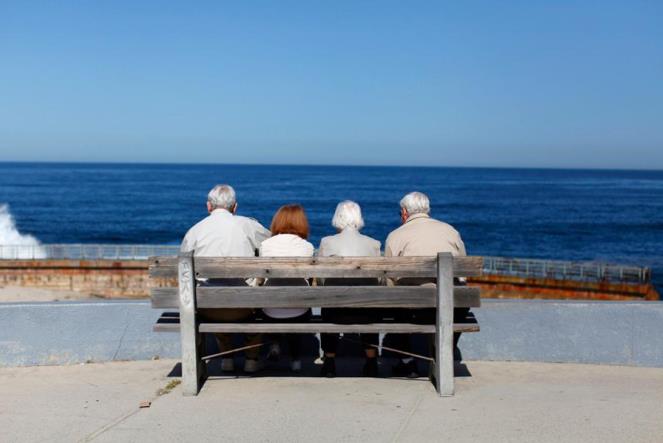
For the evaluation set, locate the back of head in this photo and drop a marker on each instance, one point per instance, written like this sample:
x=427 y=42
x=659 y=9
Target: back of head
x=290 y=219
x=416 y=203
x=222 y=197
x=348 y=214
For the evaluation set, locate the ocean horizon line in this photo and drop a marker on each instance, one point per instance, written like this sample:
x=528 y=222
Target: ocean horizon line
x=319 y=165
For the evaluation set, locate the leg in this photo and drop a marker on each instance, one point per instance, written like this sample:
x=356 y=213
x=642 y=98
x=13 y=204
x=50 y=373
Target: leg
x=295 y=346
x=329 y=342
x=459 y=317
x=232 y=315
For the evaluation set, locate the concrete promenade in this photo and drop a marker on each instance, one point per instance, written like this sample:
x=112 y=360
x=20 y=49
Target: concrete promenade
x=498 y=402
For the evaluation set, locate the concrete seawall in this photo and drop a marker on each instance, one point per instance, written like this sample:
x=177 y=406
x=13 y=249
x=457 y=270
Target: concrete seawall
x=617 y=333
x=129 y=279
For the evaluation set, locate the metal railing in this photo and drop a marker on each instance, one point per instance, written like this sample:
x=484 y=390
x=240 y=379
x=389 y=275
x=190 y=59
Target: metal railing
x=85 y=251
x=566 y=270
x=554 y=269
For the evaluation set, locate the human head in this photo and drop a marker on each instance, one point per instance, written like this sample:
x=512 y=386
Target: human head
x=222 y=197
x=414 y=203
x=290 y=219
x=348 y=214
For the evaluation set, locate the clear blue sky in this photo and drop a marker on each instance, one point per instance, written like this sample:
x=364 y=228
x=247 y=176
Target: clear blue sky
x=495 y=83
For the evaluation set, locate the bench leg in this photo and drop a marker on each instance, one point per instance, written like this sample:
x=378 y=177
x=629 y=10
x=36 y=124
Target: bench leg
x=191 y=339
x=444 y=358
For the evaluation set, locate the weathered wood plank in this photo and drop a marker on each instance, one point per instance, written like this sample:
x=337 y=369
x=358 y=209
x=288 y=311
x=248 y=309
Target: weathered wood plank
x=175 y=327
x=444 y=330
x=164 y=298
x=322 y=296
x=332 y=328
x=320 y=267
x=192 y=368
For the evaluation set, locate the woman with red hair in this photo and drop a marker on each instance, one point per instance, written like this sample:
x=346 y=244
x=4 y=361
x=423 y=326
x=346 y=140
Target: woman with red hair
x=290 y=230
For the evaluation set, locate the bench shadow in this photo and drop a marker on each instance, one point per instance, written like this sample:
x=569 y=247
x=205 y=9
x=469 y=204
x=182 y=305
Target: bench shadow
x=349 y=362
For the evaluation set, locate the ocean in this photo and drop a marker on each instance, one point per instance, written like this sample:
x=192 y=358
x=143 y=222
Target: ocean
x=604 y=215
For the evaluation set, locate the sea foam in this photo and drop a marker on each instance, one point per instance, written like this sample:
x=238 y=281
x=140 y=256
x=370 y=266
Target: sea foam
x=13 y=244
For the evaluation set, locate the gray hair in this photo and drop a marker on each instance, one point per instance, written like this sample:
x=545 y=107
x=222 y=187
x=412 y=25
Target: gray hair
x=416 y=203
x=222 y=197
x=348 y=213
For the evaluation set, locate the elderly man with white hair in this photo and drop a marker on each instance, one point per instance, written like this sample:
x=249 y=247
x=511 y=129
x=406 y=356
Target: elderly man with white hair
x=224 y=234
x=421 y=235
x=349 y=242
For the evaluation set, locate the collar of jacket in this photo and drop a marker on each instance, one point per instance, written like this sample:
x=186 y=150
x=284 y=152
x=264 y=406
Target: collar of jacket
x=416 y=216
x=220 y=211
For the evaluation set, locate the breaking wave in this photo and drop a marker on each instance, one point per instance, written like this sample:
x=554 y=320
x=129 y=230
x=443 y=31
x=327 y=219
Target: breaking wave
x=13 y=244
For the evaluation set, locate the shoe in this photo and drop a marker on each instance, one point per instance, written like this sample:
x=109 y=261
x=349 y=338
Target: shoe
x=296 y=366
x=408 y=370
x=252 y=366
x=370 y=367
x=274 y=352
x=328 y=368
x=227 y=365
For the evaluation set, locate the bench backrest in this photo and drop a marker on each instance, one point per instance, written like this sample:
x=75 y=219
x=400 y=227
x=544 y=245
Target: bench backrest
x=336 y=295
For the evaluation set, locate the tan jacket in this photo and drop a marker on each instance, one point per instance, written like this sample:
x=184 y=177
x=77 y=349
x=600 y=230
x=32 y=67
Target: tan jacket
x=422 y=235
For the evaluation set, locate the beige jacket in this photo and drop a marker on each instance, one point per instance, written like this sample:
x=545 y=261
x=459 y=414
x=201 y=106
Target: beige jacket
x=422 y=235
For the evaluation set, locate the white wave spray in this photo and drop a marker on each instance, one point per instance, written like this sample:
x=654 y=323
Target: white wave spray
x=13 y=244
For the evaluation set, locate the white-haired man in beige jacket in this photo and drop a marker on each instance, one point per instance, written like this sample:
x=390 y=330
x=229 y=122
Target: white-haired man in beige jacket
x=420 y=235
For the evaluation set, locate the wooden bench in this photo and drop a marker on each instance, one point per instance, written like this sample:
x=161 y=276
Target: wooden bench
x=188 y=297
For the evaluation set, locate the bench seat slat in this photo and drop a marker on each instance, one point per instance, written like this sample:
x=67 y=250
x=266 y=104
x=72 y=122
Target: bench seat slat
x=320 y=267
x=393 y=328
x=324 y=297
x=169 y=322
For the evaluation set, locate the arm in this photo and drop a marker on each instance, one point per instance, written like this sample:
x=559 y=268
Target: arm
x=388 y=245
x=256 y=232
x=322 y=250
x=460 y=246
x=188 y=243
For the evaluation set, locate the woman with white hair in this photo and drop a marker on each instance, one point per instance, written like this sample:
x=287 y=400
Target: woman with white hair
x=349 y=242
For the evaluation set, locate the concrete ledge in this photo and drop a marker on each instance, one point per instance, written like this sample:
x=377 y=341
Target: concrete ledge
x=618 y=333
x=77 y=332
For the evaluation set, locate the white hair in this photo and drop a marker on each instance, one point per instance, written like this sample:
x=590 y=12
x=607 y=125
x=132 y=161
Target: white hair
x=348 y=213
x=222 y=197
x=416 y=203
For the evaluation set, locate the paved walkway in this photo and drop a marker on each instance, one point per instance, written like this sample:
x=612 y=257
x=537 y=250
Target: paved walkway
x=499 y=402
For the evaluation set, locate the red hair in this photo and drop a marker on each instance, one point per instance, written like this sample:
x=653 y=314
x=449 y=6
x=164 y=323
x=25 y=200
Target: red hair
x=290 y=219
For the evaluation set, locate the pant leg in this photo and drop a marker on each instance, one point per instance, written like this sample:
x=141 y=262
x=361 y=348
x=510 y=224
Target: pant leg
x=459 y=316
x=329 y=342
x=368 y=316
x=295 y=340
x=232 y=315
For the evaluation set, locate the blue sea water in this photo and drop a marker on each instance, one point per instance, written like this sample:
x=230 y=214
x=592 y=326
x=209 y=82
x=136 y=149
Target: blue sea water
x=611 y=216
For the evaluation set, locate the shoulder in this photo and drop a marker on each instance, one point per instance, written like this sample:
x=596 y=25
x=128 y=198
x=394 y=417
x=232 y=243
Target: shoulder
x=393 y=235
x=371 y=241
x=248 y=221
x=330 y=239
x=445 y=226
x=198 y=226
x=327 y=239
